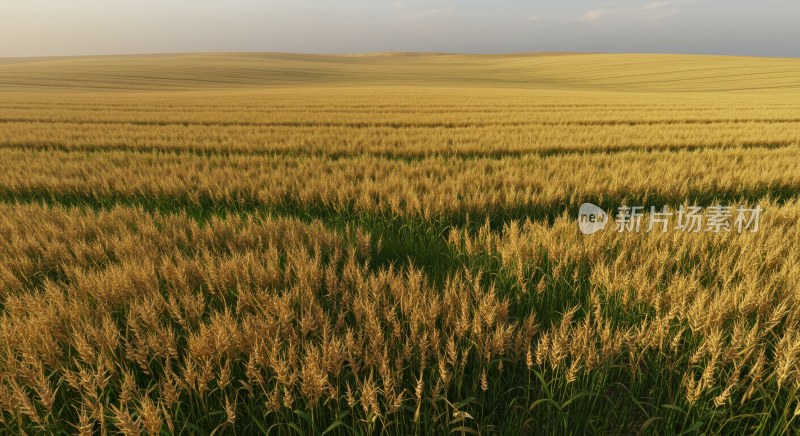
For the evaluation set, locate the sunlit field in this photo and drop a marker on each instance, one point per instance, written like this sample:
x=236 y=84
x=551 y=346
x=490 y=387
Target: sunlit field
x=388 y=243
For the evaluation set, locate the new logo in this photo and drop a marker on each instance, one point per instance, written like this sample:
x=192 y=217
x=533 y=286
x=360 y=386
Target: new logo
x=591 y=218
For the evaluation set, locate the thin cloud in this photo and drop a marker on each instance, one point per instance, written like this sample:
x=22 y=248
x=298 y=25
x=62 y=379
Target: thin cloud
x=653 y=11
x=665 y=4
x=594 y=15
x=423 y=14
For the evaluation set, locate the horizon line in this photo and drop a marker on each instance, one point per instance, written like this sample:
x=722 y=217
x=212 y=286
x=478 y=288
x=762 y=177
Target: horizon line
x=392 y=53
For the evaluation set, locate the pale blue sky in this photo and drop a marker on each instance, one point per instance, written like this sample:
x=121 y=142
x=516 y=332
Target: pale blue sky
x=58 y=27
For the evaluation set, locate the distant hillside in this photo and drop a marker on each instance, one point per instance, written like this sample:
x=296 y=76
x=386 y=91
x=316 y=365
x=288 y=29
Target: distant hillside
x=208 y=71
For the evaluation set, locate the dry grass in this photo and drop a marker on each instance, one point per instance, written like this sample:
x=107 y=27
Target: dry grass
x=247 y=243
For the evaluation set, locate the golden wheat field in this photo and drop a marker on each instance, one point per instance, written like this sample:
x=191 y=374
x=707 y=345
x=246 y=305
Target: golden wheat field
x=246 y=243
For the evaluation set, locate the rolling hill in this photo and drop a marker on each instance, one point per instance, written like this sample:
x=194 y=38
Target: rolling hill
x=626 y=72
